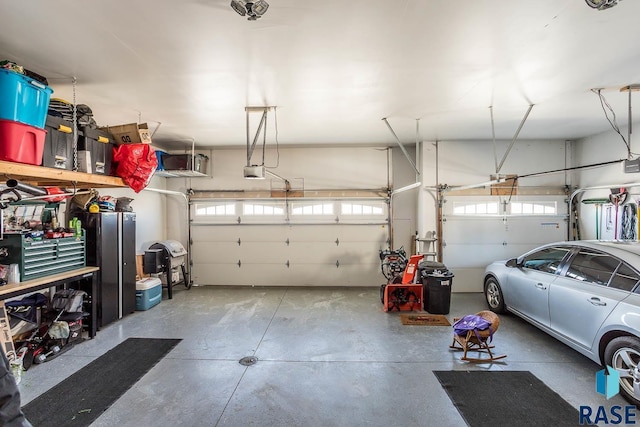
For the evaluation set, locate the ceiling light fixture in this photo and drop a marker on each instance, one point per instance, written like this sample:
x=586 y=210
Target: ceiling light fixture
x=601 y=4
x=253 y=9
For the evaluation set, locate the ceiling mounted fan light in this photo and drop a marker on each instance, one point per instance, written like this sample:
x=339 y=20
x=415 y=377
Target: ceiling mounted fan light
x=260 y=7
x=239 y=7
x=601 y=4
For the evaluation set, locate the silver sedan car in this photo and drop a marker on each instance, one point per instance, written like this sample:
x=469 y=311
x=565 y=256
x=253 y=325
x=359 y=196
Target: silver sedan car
x=584 y=293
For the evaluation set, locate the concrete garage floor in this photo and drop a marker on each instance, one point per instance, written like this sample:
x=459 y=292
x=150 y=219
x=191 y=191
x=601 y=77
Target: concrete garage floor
x=327 y=357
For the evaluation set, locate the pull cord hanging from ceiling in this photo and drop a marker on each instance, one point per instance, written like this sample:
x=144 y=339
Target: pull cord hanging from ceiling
x=608 y=110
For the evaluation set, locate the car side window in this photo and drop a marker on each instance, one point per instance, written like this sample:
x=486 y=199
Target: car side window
x=624 y=278
x=592 y=266
x=547 y=260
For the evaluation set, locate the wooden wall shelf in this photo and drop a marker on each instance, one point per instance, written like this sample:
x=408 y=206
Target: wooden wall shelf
x=42 y=177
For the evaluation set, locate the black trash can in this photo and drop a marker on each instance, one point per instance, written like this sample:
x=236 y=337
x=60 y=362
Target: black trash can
x=426 y=268
x=436 y=283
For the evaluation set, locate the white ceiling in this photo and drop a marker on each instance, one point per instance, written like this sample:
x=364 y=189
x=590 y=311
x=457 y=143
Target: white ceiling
x=334 y=68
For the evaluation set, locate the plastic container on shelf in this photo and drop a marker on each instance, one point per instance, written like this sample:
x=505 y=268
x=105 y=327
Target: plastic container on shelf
x=182 y=162
x=23 y=99
x=21 y=143
x=58 y=147
x=100 y=144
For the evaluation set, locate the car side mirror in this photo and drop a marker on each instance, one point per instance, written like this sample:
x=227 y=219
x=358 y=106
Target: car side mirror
x=513 y=262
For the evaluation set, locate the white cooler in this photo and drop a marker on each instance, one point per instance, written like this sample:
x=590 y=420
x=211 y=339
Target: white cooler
x=148 y=293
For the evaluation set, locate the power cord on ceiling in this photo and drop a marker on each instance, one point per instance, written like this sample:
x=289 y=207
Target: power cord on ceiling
x=592 y=165
x=513 y=187
x=612 y=121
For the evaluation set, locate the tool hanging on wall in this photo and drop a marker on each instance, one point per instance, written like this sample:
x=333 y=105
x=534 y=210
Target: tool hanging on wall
x=629 y=222
x=598 y=204
x=617 y=197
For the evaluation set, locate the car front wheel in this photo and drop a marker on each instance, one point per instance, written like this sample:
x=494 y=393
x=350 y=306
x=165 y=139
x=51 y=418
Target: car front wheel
x=493 y=295
x=623 y=355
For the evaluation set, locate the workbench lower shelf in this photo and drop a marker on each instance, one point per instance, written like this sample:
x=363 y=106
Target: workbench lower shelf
x=81 y=279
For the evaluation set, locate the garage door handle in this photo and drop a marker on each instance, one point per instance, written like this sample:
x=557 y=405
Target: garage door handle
x=541 y=286
x=596 y=301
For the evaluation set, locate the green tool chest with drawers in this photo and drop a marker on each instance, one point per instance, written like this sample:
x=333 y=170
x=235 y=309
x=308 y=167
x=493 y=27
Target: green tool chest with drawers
x=42 y=257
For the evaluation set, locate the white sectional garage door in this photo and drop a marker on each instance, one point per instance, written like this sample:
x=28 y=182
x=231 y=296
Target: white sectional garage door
x=337 y=250
x=475 y=234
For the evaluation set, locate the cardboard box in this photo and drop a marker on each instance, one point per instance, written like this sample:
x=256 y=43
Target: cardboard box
x=140 y=274
x=131 y=133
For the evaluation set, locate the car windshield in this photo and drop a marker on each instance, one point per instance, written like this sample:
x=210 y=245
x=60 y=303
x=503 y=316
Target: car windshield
x=546 y=260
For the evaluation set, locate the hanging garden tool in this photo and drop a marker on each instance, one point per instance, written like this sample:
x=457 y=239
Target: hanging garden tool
x=618 y=197
x=598 y=203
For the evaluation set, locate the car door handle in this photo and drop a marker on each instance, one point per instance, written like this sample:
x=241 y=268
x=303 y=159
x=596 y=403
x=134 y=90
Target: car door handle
x=540 y=286
x=596 y=301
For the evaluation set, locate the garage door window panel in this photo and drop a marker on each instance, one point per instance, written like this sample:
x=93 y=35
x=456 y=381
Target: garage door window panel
x=476 y=208
x=492 y=208
x=222 y=212
x=263 y=209
x=533 y=208
x=339 y=211
x=219 y=209
x=369 y=209
x=263 y=212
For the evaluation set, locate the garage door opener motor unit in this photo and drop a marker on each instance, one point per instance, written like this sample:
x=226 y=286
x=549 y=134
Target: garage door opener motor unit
x=168 y=259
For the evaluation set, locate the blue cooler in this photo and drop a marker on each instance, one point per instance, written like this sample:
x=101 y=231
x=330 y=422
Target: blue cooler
x=148 y=293
x=23 y=99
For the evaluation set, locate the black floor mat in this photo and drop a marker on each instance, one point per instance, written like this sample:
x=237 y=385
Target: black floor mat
x=85 y=395
x=506 y=398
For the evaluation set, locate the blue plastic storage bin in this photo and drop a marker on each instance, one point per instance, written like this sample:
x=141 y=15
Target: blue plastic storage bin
x=159 y=155
x=23 y=99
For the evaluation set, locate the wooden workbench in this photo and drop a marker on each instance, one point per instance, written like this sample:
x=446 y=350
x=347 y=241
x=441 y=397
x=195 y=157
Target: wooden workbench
x=83 y=279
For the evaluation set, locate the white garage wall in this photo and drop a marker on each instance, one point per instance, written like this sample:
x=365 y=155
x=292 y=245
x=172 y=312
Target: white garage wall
x=319 y=168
